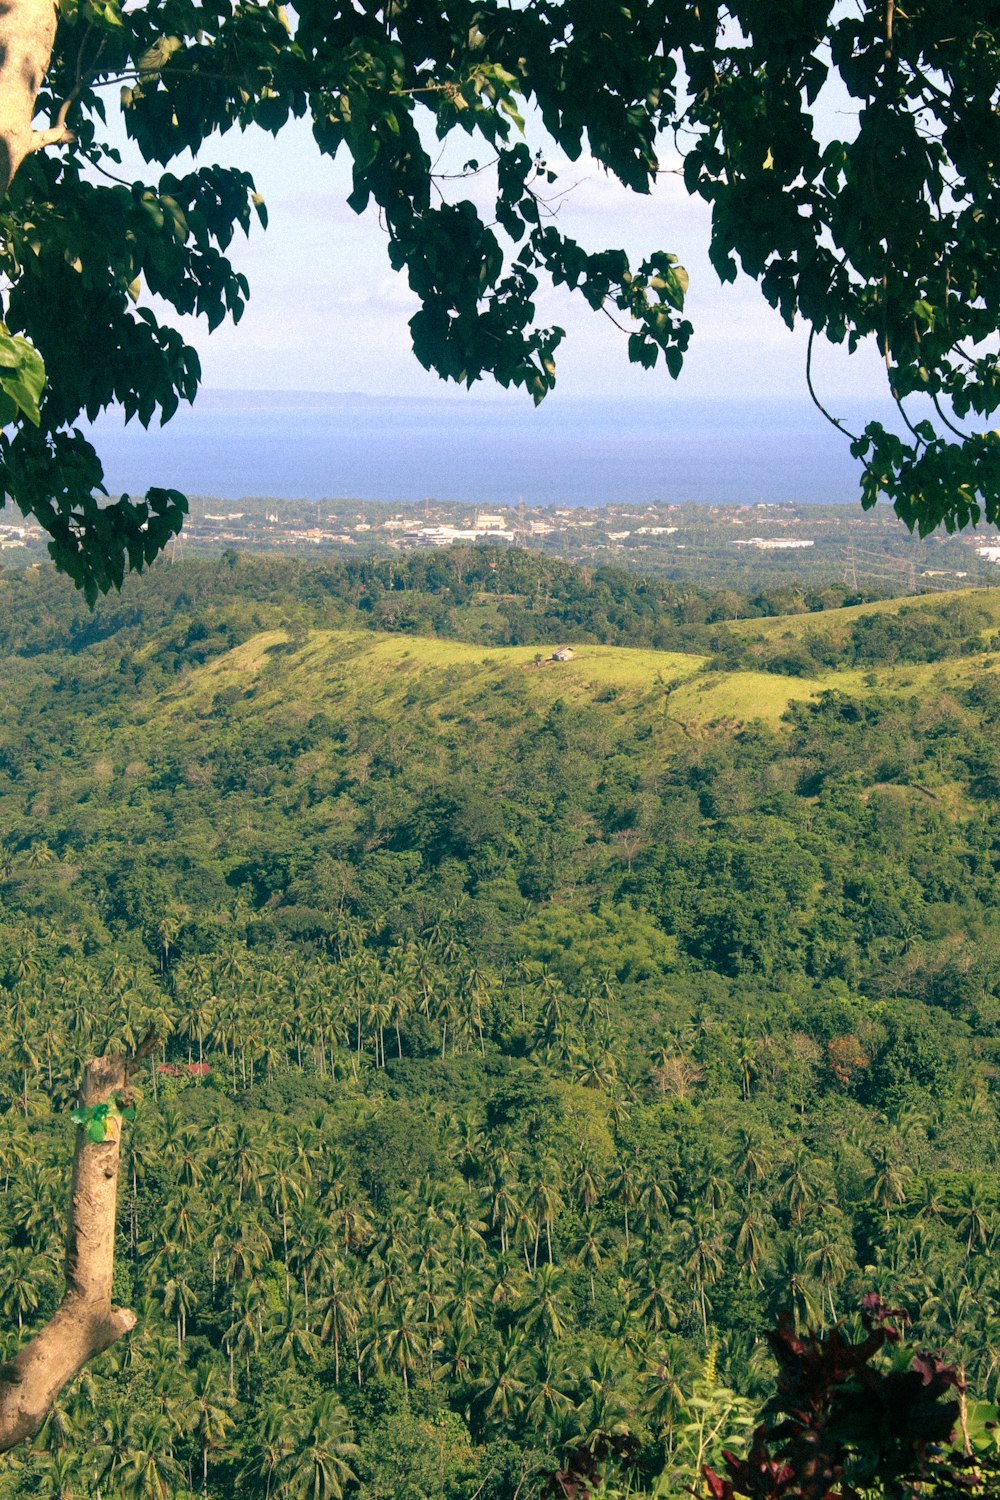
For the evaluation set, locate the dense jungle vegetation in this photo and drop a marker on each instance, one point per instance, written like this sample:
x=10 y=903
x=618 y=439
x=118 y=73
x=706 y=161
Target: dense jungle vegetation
x=501 y=595
x=529 y=1042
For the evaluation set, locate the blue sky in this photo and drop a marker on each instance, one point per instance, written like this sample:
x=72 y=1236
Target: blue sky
x=327 y=313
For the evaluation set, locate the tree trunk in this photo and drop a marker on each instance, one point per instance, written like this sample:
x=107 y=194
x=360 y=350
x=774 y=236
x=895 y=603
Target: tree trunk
x=85 y=1322
x=27 y=32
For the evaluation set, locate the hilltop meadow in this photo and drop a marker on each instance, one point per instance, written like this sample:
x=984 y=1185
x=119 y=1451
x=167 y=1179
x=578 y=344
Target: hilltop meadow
x=532 y=1033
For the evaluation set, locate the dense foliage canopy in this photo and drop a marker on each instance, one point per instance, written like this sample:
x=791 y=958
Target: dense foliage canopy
x=526 y=1049
x=883 y=227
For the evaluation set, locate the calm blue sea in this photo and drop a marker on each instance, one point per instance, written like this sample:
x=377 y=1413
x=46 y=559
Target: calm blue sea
x=568 y=452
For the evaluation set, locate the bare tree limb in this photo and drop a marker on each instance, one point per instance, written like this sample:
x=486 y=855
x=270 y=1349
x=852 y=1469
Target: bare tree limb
x=86 y=1322
x=27 y=33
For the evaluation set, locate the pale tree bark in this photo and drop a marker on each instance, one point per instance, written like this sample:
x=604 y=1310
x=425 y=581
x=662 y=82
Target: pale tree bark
x=85 y=1323
x=27 y=34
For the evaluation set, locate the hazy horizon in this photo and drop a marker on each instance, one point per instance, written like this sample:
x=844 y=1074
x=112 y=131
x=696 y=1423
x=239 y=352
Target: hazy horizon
x=573 y=450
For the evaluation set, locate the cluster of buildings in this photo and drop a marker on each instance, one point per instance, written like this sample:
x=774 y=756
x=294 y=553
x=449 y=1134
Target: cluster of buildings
x=19 y=535
x=711 y=542
x=486 y=528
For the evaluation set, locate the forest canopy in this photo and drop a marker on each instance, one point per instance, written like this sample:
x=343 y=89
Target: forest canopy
x=889 y=234
x=527 y=1039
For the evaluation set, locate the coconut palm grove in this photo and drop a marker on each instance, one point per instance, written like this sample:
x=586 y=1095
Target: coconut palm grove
x=542 y=1047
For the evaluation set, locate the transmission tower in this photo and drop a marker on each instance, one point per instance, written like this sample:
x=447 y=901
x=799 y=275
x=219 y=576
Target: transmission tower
x=851 y=570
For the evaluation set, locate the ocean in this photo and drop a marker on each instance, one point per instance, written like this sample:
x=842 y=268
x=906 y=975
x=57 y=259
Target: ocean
x=570 y=451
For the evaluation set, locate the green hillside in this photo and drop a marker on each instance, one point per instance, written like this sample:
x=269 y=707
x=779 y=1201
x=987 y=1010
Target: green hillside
x=559 y=1024
x=679 y=686
x=838 y=621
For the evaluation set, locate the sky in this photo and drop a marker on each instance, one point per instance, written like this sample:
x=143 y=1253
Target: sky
x=327 y=313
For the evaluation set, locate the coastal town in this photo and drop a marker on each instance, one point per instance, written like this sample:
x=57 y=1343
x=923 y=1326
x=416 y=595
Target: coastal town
x=765 y=542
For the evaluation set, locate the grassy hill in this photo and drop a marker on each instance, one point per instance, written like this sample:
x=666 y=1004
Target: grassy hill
x=680 y=686
x=838 y=621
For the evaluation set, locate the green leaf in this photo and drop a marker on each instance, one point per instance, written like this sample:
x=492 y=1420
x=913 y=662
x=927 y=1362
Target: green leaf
x=103 y=13
x=22 y=378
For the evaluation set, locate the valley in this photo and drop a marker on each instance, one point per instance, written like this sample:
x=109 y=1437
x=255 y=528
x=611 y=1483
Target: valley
x=531 y=1033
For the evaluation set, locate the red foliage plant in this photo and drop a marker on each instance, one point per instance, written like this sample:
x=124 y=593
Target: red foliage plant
x=839 y=1426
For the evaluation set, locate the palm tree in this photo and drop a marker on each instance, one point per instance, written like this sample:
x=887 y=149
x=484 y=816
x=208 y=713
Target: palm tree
x=826 y=1258
x=456 y=1365
x=179 y=1300
x=597 y=1069
x=22 y=1279
x=150 y=1471
x=59 y=1476
x=339 y=1306
x=603 y=1418
x=111 y=1451
x=15 y=1149
x=27 y=1060
x=889 y=1183
x=207 y=1417
x=246 y=1326
x=315 y=1253
x=269 y=1447
x=400 y=1340
x=249 y=1252
x=400 y=1005
x=468 y=1233
x=501 y=1390
x=59 y=1430
x=976 y=1217
x=505 y=1210
x=587 y=1250
x=623 y=1188
x=475 y=989
x=36 y=1207
x=293 y=1340
x=544 y=1202
x=283 y=1186
x=751 y=1244
x=584 y=1184
x=701 y=1255
x=792 y=1288
x=543 y=1311
x=654 y=1199
x=318 y=1463
x=466 y=1299
x=550 y=1400
x=799 y=1189
x=751 y=1160
x=656 y=1305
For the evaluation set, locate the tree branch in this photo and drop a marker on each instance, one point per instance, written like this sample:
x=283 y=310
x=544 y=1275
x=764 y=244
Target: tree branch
x=85 y=1322
x=834 y=421
x=27 y=33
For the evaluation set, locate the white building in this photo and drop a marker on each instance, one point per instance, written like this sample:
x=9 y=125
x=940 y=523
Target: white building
x=773 y=543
